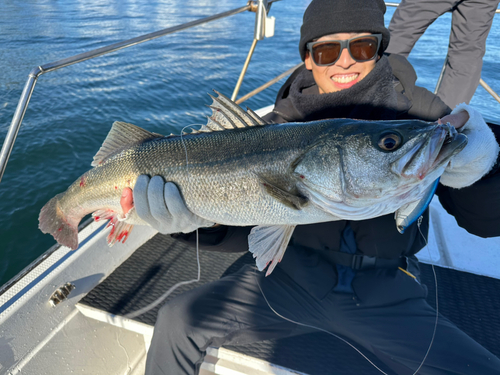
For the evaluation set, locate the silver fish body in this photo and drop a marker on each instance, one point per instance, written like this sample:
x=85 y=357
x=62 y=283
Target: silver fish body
x=240 y=171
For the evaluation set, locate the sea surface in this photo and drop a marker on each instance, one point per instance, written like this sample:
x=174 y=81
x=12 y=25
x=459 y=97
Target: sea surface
x=160 y=85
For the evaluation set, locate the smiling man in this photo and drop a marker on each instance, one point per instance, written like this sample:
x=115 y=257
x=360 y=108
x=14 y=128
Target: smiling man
x=339 y=61
x=346 y=74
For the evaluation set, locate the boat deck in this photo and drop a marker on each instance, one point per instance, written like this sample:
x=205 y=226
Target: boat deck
x=468 y=300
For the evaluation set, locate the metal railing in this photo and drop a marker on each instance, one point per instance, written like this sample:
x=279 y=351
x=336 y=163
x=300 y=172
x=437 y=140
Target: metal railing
x=268 y=84
x=42 y=69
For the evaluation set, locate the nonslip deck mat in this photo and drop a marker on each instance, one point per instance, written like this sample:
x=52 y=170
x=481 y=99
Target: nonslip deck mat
x=472 y=302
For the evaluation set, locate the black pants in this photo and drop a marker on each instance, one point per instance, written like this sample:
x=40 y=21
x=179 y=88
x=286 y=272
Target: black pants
x=233 y=310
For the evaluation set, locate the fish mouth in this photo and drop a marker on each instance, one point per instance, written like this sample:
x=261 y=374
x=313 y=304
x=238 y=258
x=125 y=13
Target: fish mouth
x=432 y=153
x=452 y=144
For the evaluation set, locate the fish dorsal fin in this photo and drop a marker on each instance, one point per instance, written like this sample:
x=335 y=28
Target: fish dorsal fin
x=226 y=114
x=256 y=117
x=120 y=136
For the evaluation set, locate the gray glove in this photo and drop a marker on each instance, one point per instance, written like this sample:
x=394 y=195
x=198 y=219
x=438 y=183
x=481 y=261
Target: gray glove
x=161 y=205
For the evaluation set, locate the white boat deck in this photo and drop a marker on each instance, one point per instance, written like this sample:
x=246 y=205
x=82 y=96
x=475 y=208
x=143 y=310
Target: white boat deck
x=35 y=336
x=453 y=247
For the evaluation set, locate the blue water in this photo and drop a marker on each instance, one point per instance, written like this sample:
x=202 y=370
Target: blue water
x=160 y=85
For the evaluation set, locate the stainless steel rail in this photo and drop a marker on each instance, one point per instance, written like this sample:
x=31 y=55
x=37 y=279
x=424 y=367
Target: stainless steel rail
x=267 y=84
x=263 y=8
x=38 y=71
x=489 y=90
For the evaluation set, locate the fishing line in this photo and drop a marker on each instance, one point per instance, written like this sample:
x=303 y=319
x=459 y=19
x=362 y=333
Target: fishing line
x=419 y=222
x=314 y=327
x=185 y=148
x=168 y=292
x=347 y=342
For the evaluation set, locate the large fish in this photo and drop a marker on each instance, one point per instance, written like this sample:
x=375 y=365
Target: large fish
x=238 y=170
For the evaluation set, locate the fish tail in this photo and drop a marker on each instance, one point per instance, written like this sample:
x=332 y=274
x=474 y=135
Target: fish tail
x=63 y=227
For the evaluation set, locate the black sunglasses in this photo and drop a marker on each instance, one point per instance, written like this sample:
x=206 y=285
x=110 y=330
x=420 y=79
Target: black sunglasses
x=361 y=48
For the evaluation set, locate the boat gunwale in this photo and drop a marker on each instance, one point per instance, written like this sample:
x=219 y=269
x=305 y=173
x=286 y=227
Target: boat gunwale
x=42 y=258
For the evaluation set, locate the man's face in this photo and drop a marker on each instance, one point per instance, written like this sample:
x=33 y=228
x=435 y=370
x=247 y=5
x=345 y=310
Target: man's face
x=345 y=73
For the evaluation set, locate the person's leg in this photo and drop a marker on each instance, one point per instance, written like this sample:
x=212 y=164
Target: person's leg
x=399 y=334
x=471 y=23
x=411 y=19
x=233 y=311
x=228 y=311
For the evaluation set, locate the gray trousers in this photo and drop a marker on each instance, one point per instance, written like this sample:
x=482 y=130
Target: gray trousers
x=233 y=310
x=471 y=23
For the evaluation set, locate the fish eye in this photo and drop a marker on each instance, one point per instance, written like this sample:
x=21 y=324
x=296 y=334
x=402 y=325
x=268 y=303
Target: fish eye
x=389 y=141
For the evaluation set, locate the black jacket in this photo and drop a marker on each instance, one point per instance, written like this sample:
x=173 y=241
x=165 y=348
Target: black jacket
x=476 y=208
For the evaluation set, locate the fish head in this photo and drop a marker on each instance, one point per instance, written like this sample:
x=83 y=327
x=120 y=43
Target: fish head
x=364 y=163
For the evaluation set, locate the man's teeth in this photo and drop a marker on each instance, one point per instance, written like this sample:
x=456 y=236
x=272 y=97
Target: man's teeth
x=345 y=79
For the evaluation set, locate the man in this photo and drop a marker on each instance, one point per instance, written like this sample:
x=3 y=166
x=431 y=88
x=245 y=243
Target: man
x=378 y=307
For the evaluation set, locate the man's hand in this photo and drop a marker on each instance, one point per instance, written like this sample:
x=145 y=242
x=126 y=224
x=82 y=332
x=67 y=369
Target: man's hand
x=480 y=154
x=161 y=205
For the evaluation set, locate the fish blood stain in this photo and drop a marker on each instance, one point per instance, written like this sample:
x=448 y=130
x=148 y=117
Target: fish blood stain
x=123 y=235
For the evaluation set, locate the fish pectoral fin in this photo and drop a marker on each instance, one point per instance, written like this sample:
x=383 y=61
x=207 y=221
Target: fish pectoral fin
x=120 y=229
x=295 y=201
x=268 y=244
x=119 y=232
x=410 y=212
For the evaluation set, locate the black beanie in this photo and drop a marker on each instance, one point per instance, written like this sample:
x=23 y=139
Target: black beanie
x=324 y=17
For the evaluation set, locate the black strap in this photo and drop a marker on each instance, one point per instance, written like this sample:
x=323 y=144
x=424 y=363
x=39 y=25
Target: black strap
x=361 y=262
